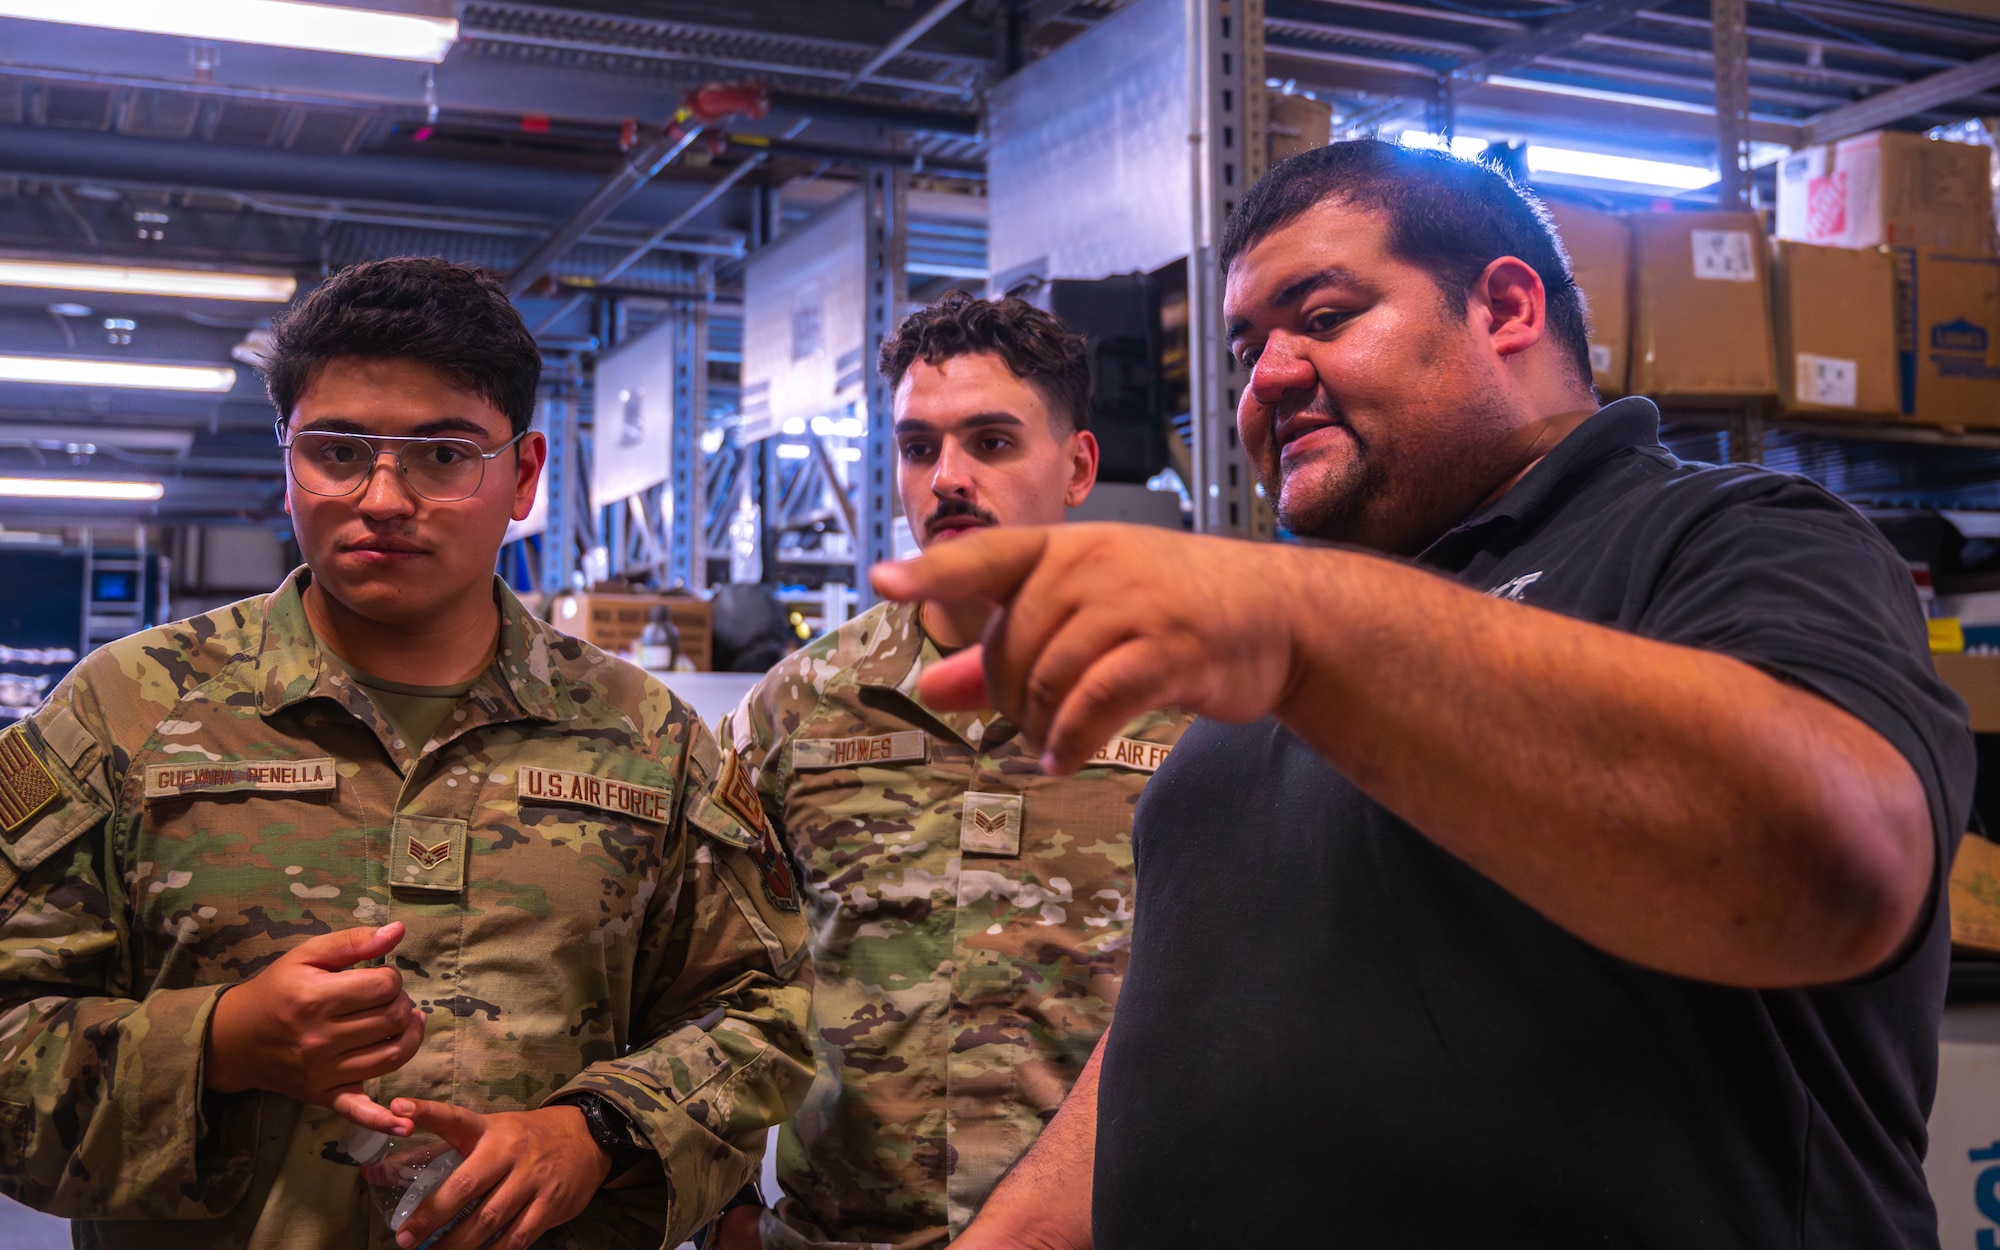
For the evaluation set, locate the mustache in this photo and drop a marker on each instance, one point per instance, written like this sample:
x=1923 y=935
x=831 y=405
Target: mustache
x=951 y=509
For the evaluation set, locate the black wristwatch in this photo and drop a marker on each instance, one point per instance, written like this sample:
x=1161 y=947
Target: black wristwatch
x=611 y=1129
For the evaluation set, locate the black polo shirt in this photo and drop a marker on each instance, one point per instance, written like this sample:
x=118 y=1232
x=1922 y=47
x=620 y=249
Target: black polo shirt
x=1336 y=1033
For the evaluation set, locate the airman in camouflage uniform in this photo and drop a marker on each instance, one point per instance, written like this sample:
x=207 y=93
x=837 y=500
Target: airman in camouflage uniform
x=584 y=911
x=212 y=830
x=969 y=916
x=969 y=912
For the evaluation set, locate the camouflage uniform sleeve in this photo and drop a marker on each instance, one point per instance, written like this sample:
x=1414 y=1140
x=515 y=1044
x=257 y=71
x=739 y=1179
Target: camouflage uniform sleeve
x=721 y=1047
x=102 y=1111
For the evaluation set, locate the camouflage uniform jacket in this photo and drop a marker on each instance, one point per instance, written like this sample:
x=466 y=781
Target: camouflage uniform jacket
x=969 y=917
x=583 y=912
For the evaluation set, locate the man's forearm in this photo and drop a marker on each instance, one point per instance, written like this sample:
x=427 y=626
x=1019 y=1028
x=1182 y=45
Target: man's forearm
x=1674 y=807
x=1043 y=1202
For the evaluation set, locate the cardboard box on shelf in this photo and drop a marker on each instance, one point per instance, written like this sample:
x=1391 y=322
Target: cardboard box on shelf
x=1976 y=678
x=1888 y=188
x=1975 y=895
x=1947 y=333
x=1701 y=309
x=1836 y=325
x=1600 y=257
x=1298 y=124
x=613 y=622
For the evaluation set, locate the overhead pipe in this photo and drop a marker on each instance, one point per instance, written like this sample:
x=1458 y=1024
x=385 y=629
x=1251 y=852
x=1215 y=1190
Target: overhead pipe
x=229 y=169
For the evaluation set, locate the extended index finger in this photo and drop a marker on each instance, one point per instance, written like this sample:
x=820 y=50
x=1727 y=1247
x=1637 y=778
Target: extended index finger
x=457 y=1125
x=989 y=565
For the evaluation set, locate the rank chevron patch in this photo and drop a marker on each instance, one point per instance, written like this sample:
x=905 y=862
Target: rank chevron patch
x=430 y=856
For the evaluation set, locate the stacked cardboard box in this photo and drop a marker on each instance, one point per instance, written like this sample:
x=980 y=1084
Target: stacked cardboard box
x=1701 y=310
x=1888 y=188
x=1947 y=330
x=1298 y=124
x=1836 y=327
x=1928 y=205
x=1600 y=256
x=613 y=621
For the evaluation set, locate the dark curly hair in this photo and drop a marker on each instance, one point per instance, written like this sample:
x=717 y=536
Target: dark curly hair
x=1448 y=216
x=1037 y=347
x=455 y=318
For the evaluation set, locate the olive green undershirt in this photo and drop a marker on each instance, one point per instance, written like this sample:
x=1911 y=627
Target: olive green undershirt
x=414 y=712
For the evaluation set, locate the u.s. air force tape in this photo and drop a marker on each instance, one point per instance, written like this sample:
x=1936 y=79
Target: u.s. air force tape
x=549 y=785
x=1144 y=757
x=225 y=776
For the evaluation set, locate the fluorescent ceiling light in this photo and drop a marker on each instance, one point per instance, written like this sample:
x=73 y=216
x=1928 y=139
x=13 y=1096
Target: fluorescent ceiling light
x=1609 y=97
x=274 y=23
x=143 y=440
x=77 y=488
x=1630 y=169
x=199 y=283
x=1461 y=145
x=793 y=451
x=72 y=371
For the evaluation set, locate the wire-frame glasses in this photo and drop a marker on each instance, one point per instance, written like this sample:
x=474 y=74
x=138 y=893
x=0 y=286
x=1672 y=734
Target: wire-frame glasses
x=442 y=470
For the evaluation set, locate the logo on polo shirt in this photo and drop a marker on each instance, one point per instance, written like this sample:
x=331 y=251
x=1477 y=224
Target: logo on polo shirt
x=1516 y=589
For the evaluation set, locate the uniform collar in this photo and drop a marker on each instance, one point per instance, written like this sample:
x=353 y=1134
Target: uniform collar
x=523 y=683
x=1630 y=424
x=894 y=655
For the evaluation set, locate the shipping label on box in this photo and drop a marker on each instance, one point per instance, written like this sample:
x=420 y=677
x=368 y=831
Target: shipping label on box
x=1724 y=255
x=1826 y=380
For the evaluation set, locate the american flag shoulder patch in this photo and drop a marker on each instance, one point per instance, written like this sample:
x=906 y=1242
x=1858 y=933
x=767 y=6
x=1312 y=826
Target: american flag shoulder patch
x=26 y=787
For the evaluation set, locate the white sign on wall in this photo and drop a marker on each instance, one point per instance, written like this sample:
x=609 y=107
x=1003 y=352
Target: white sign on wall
x=804 y=301
x=632 y=417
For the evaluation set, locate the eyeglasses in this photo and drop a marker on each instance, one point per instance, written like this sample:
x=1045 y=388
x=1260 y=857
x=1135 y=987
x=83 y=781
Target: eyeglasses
x=442 y=470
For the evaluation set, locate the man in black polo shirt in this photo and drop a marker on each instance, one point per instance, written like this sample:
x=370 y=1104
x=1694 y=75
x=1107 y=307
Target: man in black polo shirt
x=1560 y=861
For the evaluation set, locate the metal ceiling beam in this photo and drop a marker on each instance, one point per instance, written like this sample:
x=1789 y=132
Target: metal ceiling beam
x=1394 y=41
x=641 y=167
x=719 y=61
x=915 y=31
x=1551 y=37
x=1897 y=103
x=1425 y=12
x=1806 y=41
x=633 y=173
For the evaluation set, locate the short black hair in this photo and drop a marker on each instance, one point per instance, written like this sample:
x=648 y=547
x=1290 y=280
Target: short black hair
x=1037 y=347
x=455 y=318
x=1448 y=216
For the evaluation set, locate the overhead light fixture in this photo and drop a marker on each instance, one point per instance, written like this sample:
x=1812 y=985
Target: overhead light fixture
x=75 y=371
x=57 y=275
x=1460 y=145
x=794 y=451
x=143 y=440
x=273 y=23
x=78 y=488
x=1631 y=169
